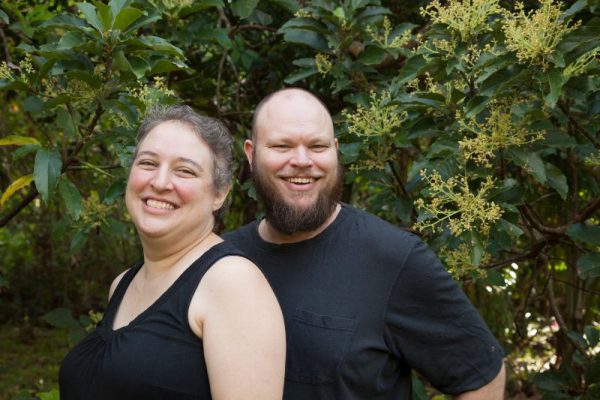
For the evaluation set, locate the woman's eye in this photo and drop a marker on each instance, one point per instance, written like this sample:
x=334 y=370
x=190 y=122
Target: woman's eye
x=186 y=171
x=146 y=163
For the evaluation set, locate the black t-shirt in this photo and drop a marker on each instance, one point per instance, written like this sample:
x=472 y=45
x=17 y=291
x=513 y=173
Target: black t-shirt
x=156 y=356
x=364 y=302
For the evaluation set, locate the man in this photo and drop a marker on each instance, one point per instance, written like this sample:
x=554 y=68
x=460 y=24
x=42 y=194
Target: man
x=364 y=301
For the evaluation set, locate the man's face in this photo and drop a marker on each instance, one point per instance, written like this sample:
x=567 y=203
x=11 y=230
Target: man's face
x=294 y=163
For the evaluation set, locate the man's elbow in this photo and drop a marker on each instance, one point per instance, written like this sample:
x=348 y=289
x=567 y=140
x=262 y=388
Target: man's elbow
x=493 y=390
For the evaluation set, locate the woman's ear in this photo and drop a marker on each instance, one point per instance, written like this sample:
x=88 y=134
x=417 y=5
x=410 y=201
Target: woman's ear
x=220 y=197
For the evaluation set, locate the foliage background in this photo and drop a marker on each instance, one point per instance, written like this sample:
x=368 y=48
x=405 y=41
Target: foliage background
x=474 y=122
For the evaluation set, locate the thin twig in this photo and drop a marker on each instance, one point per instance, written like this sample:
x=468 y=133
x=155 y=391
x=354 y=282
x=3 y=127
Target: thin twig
x=5 y=43
x=543 y=260
x=576 y=125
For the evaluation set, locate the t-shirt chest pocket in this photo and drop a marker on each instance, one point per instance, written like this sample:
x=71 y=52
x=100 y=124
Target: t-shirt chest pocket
x=317 y=345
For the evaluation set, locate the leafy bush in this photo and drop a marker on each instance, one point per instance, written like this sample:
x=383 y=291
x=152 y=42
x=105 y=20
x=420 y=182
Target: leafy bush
x=473 y=122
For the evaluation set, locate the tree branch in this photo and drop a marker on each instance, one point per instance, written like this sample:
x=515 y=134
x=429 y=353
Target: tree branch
x=5 y=43
x=576 y=125
x=543 y=261
x=66 y=163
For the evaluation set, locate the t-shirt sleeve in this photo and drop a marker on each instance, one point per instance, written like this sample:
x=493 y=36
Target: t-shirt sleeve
x=432 y=325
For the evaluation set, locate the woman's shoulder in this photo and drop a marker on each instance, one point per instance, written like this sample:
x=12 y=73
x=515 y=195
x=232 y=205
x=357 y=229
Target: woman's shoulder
x=233 y=270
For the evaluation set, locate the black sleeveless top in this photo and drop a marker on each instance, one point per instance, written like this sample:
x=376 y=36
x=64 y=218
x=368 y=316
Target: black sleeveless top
x=156 y=356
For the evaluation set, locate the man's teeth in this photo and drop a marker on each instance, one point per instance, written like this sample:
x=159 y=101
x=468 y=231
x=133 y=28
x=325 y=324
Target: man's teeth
x=159 y=204
x=300 y=180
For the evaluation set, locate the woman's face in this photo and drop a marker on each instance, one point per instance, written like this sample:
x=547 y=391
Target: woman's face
x=170 y=191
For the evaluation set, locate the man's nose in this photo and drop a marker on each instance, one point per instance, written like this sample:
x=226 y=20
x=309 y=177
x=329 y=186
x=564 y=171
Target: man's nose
x=301 y=157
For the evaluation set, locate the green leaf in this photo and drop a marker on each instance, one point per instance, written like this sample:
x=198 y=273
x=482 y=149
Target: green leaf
x=120 y=62
x=592 y=335
x=588 y=265
x=557 y=180
x=115 y=191
x=216 y=35
x=46 y=171
x=16 y=140
x=126 y=17
x=495 y=278
x=61 y=318
x=19 y=184
x=585 y=233
x=160 y=44
x=114 y=227
x=70 y=40
x=510 y=228
x=410 y=69
x=532 y=163
x=139 y=66
x=339 y=13
x=79 y=241
x=105 y=16
x=575 y=8
x=418 y=390
x=477 y=249
x=498 y=80
x=162 y=66
x=143 y=21
x=4 y=17
x=89 y=13
x=300 y=74
x=372 y=55
x=476 y=105
x=556 y=80
x=243 y=8
x=71 y=197
x=117 y=5
x=289 y=5
x=50 y=395
x=199 y=6
x=309 y=38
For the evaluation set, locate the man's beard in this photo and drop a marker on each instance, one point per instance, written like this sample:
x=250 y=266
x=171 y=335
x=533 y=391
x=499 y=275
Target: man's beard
x=288 y=218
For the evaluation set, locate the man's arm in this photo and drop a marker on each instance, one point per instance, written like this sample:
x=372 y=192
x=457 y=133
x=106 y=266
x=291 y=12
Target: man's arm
x=494 y=390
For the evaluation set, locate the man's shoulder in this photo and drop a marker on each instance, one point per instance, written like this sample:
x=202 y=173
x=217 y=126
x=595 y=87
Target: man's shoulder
x=242 y=233
x=370 y=225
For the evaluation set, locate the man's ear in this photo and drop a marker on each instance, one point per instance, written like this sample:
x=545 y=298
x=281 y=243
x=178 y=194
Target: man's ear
x=337 y=144
x=249 y=150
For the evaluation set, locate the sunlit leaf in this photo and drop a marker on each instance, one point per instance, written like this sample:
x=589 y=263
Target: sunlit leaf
x=16 y=140
x=19 y=184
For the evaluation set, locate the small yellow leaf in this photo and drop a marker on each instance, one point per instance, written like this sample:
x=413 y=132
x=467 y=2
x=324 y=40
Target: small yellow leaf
x=16 y=185
x=18 y=141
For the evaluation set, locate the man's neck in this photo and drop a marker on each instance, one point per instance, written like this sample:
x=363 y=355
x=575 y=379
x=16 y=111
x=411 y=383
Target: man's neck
x=269 y=234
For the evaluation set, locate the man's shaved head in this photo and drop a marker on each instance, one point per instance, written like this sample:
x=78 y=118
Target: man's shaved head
x=287 y=95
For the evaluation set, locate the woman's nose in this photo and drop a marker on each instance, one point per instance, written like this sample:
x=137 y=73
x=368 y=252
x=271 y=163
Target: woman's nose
x=162 y=180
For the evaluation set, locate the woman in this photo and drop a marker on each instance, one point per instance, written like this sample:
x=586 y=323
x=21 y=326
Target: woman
x=196 y=319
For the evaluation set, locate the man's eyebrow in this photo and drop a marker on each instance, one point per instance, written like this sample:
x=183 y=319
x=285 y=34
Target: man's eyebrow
x=180 y=159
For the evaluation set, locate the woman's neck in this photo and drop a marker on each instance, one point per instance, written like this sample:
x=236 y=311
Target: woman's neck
x=160 y=258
